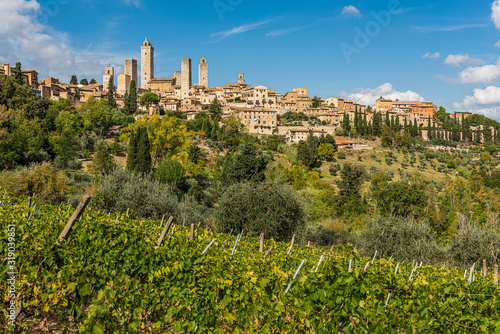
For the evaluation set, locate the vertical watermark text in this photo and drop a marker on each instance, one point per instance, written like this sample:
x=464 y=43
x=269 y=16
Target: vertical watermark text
x=11 y=274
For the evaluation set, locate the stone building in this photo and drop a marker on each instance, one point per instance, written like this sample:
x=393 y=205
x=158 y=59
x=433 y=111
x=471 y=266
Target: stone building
x=130 y=69
x=203 y=73
x=5 y=69
x=293 y=136
x=109 y=72
x=147 y=63
x=123 y=83
x=163 y=87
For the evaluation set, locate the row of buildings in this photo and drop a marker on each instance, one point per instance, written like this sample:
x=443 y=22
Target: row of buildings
x=259 y=108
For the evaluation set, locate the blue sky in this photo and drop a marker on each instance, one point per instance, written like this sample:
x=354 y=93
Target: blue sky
x=445 y=51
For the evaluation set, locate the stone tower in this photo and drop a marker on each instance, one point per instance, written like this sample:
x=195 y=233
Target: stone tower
x=186 y=77
x=177 y=77
x=109 y=72
x=203 y=73
x=147 y=63
x=241 y=78
x=131 y=69
x=123 y=84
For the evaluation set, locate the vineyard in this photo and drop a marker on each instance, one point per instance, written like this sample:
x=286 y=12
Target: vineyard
x=110 y=276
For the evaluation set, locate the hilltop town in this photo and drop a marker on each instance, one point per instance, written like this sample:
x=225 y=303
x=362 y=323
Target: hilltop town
x=259 y=108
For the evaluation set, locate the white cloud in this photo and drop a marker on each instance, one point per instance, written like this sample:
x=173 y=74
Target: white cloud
x=369 y=96
x=350 y=11
x=136 y=3
x=431 y=55
x=219 y=36
x=281 y=32
x=449 y=28
x=481 y=74
x=43 y=49
x=462 y=59
x=497 y=44
x=490 y=96
x=495 y=13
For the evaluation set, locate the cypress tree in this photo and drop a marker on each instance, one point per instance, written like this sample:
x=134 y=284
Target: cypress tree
x=397 y=125
x=393 y=124
x=126 y=103
x=111 y=93
x=132 y=152
x=18 y=74
x=405 y=128
x=144 y=161
x=429 y=129
x=132 y=97
x=387 y=119
x=365 y=125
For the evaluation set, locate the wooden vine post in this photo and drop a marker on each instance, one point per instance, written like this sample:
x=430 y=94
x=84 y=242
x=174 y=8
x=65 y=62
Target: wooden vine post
x=496 y=275
x=28 y=206
x=485 y=269
x=261 y=248
x=191 y=232
x=164 y=232
x=77 y=214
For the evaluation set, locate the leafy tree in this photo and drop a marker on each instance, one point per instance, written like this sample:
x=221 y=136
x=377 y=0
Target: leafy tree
x=194 y=153
x=96 y=115
x=328 y=139
x=492 y=149
x=92 y=81
x=74 y=80
x=103 y=162
x=327 y=152
x=171 y=172
x=149 y=98
x=349 y=198
x=65 y=145
x=18 y=74
x=84 y=82
x=306 y=155
x=215 y=110
x=267 y=208
x=168 y=135
x=316 y=102
x=246 y=165
x=273 y=142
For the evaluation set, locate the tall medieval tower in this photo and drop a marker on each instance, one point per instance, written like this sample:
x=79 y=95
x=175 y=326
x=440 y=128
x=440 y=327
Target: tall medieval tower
x=130 y=69
x=186 y=77
x=241 y=78
x=147 y=63
x=203 y=73
x=109 y=73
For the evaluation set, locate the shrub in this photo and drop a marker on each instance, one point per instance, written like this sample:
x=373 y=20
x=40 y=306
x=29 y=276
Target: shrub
x=404 y=238
x=473 y=243
x=267 y=208
x=44 y=180
x=171 y=172
x=146 y=197
x=341 y=155
x=334 y=169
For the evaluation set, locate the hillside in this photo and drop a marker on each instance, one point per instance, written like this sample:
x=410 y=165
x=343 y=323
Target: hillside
x=108 y=276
